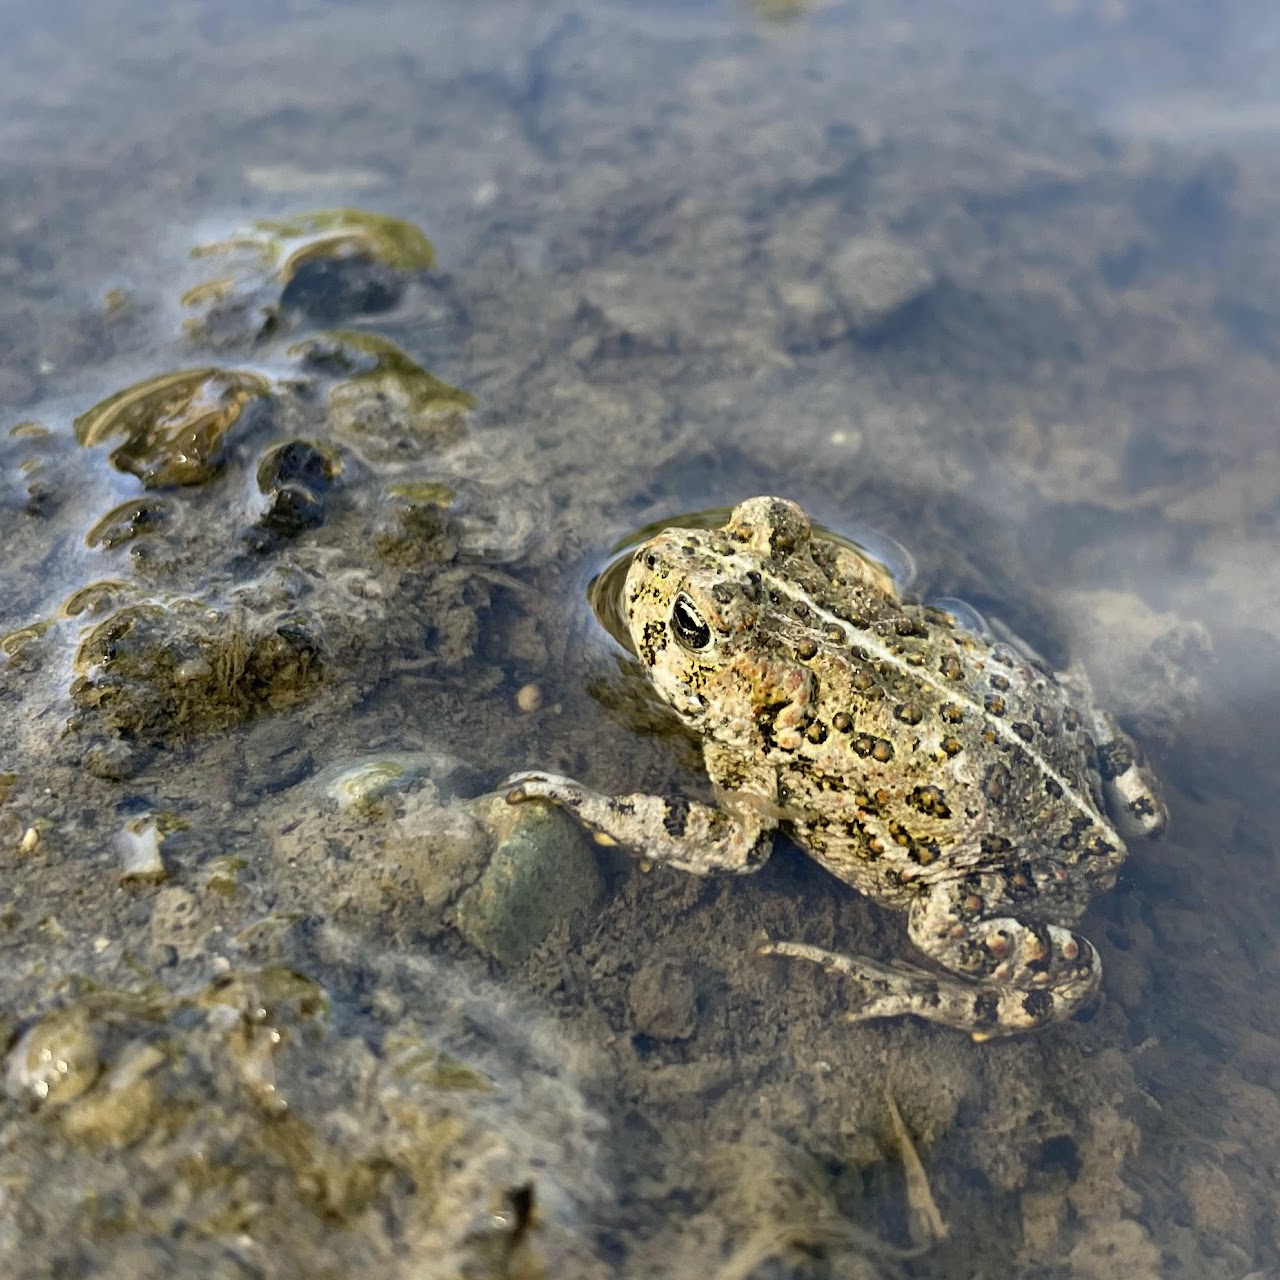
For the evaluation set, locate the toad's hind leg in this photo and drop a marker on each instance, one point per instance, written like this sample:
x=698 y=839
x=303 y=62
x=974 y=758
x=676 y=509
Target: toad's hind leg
x=893 y=990
x=1007 y=976
x=1027 y=972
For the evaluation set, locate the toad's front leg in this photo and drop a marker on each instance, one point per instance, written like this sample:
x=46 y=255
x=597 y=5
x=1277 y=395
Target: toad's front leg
x=687 y=834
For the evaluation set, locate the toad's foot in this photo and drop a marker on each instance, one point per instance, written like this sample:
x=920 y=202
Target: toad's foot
x=1132 y=792
x=890 y=991
x=683 y=833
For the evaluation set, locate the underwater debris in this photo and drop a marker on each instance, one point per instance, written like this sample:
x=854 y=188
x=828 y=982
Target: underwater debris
x=925 y=1222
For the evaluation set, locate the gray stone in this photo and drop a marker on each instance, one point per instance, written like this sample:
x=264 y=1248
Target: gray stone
x=138 y=845
x=876 y=278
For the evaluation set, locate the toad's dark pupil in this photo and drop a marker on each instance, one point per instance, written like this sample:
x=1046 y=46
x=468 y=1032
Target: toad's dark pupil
x=690 y=631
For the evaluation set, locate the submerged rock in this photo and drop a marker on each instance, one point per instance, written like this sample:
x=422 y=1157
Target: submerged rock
x=297 y=462
x=327 y=290
x=327 y=264
x=417 y=527
x=55 y=1060
x=541 y=875
x=139 y=844
x=664 y=1000
x=431 y=520
x=384 y=403
x=168 y=1133
x=294 y=477
x=1119 y=1248
x=810 y=314
x=123 y=1107
x=876 y=279
x=155 y=672
x=177 y=923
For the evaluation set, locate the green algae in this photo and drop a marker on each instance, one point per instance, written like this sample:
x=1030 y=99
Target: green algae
x=173 y=424
x=421 y=493
x=416 y=530
x=128 y=520
x=96 y=598
x=363 y=787
x=323 y=233
x=330 y=232
x=152 y=672
x=221 y=875
x=380 y=367
x=269 y=994
x=411 y=1057
x=326 y=263
x=13 y=644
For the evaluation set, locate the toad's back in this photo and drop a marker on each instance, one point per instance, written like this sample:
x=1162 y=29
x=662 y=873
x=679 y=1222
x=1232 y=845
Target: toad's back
x=905 y=748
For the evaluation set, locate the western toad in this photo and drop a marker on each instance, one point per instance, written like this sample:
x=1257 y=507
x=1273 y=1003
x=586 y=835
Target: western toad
x=940 y=771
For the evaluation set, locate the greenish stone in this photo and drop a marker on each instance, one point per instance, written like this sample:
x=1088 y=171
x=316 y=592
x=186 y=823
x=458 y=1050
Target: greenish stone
x=541 y=875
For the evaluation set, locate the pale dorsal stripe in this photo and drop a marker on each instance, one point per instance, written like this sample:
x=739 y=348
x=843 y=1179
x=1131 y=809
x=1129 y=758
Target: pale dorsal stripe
x=919 y=675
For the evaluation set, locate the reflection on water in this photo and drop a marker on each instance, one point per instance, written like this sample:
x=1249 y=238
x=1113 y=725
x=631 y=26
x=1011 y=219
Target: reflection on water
x=993 y=284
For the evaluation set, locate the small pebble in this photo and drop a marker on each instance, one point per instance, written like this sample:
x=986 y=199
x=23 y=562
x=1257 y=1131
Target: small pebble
x=30 y=838
x=56 y=1060
x=529 y=698
x=541 y=874
x=664 y=1000
x=140 y=860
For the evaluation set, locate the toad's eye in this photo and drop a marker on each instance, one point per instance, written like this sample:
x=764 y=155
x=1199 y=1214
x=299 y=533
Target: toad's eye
x=687 y=624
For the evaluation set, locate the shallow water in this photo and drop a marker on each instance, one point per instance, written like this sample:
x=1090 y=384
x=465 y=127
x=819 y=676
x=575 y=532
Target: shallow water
x=280 y=999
